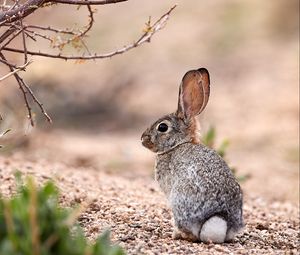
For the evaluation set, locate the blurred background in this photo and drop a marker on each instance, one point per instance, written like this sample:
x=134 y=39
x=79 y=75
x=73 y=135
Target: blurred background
x=100 y=108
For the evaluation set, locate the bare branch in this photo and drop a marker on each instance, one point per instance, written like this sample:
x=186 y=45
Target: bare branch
x=24 y=41
x=16 y=69
x=7 y=33
x=54 y=30
x=145 y=37
x=32 y=37
x=40 y=105
x=25 y=99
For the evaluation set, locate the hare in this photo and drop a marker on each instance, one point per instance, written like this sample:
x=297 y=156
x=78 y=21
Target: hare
x=205 y=198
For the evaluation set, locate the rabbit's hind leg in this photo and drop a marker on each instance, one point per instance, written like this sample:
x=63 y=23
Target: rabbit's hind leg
x=231 y=234
x=214 y=230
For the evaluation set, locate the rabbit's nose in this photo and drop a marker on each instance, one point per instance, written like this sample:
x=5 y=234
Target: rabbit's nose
x=144 y=136
x=145 y=139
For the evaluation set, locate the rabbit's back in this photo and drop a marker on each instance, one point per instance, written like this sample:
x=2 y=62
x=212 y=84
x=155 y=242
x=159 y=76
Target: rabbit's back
x=204 y=166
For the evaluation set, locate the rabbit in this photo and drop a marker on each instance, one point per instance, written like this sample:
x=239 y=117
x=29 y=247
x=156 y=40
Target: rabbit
x=205 y=198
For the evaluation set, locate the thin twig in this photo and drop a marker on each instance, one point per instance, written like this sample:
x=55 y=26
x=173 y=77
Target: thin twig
x=85 y=46
x=7 y=33
x=32 y=35
x=51 y=29
x=24 y=41
x=27 y=32
x=40 y=105
x=16 y=69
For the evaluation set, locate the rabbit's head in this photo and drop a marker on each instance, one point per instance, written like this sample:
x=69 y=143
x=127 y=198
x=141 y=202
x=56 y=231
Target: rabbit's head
x=181 y=127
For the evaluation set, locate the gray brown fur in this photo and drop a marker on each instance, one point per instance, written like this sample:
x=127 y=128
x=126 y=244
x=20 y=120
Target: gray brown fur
x=196 y=180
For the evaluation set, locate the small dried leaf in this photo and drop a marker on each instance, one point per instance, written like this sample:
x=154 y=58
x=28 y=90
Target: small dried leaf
x=148 y=27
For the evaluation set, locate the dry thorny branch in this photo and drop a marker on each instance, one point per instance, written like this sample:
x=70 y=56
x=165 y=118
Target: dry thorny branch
x=13 y=23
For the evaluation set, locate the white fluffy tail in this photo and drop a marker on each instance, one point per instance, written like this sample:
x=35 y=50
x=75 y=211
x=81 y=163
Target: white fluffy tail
x=214 y=230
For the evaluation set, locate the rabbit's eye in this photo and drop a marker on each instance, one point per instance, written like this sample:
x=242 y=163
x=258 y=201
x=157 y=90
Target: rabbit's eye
x=162 y=127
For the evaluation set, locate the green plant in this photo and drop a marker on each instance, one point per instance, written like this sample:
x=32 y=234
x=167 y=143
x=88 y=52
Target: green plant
x=33 y=223
x=209 y=139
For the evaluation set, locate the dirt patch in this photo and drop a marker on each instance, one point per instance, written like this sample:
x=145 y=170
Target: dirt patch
x=137 y=213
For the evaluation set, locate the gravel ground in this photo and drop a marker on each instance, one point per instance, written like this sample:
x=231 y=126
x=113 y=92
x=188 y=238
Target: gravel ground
x=138 y=216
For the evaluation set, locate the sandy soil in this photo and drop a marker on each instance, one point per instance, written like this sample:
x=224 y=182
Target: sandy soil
x=139 y=218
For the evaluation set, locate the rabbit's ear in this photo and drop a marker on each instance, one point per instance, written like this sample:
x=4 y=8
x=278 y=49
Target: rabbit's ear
x=193 y=93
